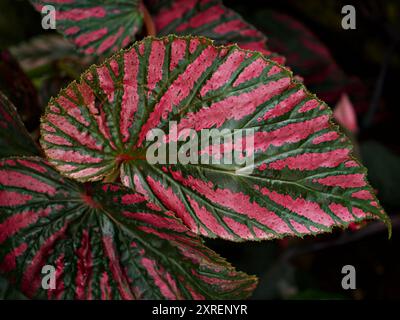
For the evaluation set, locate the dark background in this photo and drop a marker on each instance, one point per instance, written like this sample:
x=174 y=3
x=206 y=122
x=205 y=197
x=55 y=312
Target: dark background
x=365 y=64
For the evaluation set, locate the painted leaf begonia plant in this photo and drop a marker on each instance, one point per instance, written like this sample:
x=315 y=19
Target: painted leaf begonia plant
x=116 y=226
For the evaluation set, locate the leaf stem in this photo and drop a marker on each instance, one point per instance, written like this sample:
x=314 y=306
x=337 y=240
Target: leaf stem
x=112 y=177
x=148 y=21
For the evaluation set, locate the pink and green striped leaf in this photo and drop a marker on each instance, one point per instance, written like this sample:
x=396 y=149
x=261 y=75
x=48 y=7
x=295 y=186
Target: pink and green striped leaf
x=14 y=138
x=208 y=18
x=304 y=179
x=96 y=26
x=104 y=240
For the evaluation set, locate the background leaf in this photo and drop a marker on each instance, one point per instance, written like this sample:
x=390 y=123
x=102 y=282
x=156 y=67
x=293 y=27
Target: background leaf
x=210 y=19
x=52 y=62
x=308 y=56
x=45 y=50
x=19 y=89
x=304 y=181
x=105 y=242
x=97 y=27
x=14 y=139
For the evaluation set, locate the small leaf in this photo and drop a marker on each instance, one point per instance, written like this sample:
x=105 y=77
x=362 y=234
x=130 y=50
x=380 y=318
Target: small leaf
x=14 y=139
x=304 y=179
x=345 y=114
x=210 y=19
x=97 y=26
x=104 y=241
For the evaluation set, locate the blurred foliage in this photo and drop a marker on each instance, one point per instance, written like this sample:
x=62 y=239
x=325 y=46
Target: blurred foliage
x=309 y=58
x=17 y=86
x=51 y=62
